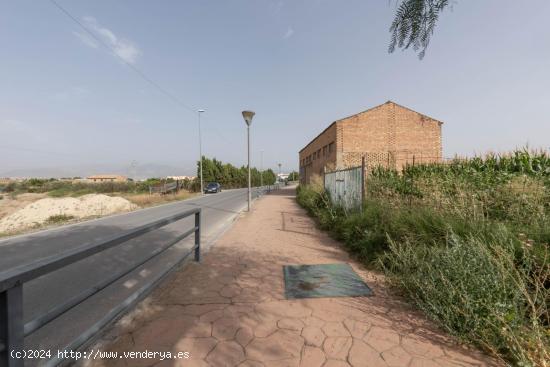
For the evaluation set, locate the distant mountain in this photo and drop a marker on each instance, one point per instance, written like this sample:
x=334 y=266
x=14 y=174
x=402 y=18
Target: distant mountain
x=141 y=171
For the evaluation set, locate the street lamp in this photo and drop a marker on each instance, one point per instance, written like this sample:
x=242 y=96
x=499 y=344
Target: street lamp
x=200 y=150
x=262 y=168
x=248 y=115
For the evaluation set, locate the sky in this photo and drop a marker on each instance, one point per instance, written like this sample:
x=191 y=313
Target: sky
x=69 y=102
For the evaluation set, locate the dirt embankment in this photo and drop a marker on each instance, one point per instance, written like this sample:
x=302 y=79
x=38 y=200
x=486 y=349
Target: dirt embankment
x=10 y=204
x=38 y=213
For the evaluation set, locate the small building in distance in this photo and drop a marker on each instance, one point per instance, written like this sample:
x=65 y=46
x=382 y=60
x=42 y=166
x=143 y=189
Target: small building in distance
x=388 y=135
x=282 y=177
x=107 y=178
x=181 y=178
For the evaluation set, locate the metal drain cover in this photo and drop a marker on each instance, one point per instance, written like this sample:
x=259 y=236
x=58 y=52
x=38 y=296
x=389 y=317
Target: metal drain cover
x=325 y=280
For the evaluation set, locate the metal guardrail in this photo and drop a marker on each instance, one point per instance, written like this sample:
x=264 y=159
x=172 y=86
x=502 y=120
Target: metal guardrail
x=12 y=328
x=165 y=188
x=268 y=188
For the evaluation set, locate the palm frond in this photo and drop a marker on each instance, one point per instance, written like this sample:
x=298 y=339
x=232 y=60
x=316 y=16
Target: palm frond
x=414 y=24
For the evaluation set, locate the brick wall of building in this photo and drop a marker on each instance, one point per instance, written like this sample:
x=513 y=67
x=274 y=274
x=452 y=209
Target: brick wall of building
x=319 y=153
x=418 y=138
x=367 y=131
x=389 y=135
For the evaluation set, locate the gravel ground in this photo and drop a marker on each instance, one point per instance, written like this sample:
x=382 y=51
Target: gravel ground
x=38 y=212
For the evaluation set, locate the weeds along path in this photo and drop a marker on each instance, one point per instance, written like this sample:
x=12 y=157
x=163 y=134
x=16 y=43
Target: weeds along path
x=466 y=241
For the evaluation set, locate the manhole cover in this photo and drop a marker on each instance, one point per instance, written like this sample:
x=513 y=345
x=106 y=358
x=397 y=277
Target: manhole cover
x=326 y=280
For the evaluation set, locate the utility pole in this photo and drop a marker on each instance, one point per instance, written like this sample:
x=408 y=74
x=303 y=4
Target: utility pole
x=200 y=151
x=133 y=173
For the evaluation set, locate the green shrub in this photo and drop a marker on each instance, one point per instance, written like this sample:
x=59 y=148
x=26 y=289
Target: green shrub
x=59 y=218
x=10 y=187
x=60 y=192
x=365 y=233
x=68 y=191
x=479 y=289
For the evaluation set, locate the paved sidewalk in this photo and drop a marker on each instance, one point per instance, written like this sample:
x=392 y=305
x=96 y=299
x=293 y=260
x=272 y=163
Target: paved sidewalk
x=230 y=310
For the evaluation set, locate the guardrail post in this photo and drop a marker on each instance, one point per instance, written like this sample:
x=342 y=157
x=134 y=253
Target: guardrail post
x=198 y=236
x=11 y=326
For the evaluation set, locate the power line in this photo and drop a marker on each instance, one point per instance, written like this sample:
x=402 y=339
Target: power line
x=131 y=66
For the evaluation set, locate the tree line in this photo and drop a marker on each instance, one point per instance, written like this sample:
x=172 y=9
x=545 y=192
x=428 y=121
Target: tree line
x=226 y=174
x=231 y=177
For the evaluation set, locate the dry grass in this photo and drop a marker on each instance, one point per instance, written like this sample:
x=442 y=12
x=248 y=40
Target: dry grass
x=146 y=200
x=51 y=223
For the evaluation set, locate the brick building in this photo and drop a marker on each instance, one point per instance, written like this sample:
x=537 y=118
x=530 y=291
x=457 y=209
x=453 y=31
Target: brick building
x=389 y=135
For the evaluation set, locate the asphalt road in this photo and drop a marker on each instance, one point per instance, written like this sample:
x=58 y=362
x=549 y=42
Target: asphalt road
x=41 y=294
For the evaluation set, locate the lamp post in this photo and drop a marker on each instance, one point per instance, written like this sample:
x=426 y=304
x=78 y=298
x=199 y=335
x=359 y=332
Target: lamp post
x=200 y=150
x=262 y=168
x=248 y=115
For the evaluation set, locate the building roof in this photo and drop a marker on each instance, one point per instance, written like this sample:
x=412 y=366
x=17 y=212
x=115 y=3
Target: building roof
x=367 y=110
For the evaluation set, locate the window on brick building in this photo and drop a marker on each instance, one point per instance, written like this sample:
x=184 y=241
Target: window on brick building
x=324 y=150
x=331 y=147
x=319 y=153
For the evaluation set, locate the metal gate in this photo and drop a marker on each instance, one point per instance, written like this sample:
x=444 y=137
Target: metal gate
x=346 y=187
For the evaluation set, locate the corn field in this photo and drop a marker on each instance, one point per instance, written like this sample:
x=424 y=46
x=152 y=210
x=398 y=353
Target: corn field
x=513 y=187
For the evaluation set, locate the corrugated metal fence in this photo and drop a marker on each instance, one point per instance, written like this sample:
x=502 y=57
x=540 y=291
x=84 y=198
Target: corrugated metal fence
x=346 y=187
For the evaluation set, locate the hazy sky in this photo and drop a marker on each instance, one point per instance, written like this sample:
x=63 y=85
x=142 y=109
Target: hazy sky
x=65 y=100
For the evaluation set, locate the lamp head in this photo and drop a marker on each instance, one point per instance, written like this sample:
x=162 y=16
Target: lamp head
x=248 y=115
